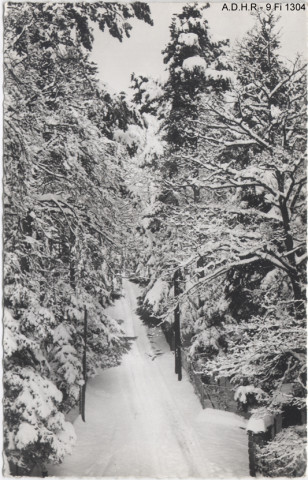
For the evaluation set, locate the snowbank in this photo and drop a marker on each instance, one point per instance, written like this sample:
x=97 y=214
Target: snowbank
x=221 y=417
x=259 y=422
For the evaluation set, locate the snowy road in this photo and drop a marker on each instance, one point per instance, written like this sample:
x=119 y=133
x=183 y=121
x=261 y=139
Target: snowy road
x=142 y=422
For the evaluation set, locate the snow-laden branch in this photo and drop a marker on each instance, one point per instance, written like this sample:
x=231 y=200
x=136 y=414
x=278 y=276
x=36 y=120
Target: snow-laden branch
x=57 y=200
x=286 y=79
x=241 y=124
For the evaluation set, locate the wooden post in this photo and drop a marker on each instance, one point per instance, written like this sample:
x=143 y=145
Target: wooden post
x=252 y=454
x=200 y=264
x=72 y=261
x=84 y=366
x=256 y=440
x=44 y=471
x=177 y=326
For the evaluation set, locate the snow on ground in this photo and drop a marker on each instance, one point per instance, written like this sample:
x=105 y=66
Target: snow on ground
x=142 y=422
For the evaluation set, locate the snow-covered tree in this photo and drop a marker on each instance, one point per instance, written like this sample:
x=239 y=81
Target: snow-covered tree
x=254 y=162
x=243 y=306
x=166 y=219
x=63 y=177
x=191 y=57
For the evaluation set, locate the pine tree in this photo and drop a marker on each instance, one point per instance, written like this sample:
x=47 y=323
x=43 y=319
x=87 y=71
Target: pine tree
x=191 y=57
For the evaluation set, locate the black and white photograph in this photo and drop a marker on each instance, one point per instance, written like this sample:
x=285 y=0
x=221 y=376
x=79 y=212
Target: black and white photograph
x=154 y=239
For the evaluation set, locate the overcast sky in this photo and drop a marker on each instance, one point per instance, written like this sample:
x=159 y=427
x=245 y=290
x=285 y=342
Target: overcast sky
x=142 y=52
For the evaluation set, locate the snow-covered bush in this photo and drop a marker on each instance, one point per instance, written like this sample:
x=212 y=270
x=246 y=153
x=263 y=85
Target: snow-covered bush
x=157 y=294
x=285 y=455
x=35 y=431
x=248 y=394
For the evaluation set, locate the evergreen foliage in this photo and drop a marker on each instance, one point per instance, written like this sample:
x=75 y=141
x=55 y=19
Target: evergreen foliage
x=62 y=219
x=189 y=56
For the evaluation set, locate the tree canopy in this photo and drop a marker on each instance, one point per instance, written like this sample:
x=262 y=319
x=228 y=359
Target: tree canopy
x=229 y=210
x=63 y=219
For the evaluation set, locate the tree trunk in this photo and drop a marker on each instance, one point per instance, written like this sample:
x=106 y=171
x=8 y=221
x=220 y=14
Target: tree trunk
x=84 y=367
x=177 y=326
x=289 y=244
x=200 y=264
x=27 y=229
x=72 y=262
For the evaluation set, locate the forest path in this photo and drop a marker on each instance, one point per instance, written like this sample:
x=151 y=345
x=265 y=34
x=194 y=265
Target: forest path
x=142 y=422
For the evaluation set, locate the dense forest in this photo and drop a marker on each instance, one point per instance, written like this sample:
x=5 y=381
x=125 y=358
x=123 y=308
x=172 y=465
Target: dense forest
x=199 y=180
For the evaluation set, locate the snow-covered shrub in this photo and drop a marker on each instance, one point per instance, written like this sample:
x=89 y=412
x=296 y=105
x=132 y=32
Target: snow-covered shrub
x=285 y=455
x=257 y=355
x=154 y=301
x=34 y=430
x=157 y=294
x=249 y=395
